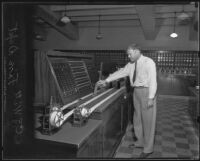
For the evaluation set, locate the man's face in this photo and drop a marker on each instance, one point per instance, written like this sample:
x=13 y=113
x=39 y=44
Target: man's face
x=133 y=54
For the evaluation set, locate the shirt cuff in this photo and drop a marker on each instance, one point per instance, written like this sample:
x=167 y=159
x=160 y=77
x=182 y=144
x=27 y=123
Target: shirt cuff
x=107 y=80
x=151 y=97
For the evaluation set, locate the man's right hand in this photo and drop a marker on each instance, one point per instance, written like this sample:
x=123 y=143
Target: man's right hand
x=102 y=83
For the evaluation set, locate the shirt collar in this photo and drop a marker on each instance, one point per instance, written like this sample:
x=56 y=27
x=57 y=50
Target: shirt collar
x=140 y=58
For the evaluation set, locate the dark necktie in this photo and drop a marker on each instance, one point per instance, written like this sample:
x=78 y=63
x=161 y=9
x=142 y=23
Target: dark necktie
x=134 y=75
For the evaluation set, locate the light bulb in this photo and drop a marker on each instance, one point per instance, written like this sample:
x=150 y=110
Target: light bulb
x=65 y=19
x=183 y=16
x=173 y=35
x=99 y=36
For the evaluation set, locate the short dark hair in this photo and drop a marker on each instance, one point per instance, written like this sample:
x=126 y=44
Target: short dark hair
x=134 y=47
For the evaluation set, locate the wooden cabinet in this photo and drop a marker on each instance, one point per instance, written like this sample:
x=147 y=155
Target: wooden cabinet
x=99 y=138
x=124 y=113
x=92 y=148
x=71 y=142
x=114 y=122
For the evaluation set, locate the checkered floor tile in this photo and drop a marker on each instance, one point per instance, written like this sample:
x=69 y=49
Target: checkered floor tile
x=175 y=136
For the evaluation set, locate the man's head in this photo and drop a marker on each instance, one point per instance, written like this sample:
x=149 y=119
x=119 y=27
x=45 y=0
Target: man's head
x=133 y=52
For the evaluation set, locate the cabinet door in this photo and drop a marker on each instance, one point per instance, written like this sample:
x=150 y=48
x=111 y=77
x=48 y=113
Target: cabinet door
x=124 y=113
x=112 y=130
x=92 y=147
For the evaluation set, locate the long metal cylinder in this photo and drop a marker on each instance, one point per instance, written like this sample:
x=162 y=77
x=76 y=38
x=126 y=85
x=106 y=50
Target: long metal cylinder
x=57 y=118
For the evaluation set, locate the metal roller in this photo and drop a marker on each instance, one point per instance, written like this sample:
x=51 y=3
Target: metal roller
x=57 y=118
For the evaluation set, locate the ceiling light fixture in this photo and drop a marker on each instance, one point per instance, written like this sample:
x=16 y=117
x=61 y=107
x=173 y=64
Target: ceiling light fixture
x=99 y=36
x=183 y=15
x=65 y=19
x=174 y=34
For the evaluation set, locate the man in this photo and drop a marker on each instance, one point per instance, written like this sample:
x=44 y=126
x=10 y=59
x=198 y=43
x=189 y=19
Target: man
x=142 y=74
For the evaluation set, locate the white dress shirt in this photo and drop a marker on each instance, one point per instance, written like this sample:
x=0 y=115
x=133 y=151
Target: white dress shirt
x=145 y=74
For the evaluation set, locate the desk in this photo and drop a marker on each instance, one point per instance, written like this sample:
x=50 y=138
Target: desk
x=99 y=138
x=114 y=116
x=71 y=142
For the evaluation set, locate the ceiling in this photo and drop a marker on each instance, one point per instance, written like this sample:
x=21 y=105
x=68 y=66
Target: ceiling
x=89 y=13
x=146 y=16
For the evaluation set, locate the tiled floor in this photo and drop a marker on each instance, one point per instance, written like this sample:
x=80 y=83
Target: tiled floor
x=175 y=136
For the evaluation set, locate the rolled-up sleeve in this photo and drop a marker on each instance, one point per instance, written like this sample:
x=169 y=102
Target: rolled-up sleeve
x=123 y=72
x=152 y=80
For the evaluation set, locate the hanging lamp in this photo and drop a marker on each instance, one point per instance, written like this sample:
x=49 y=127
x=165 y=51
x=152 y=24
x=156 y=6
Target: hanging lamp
x=183 y=15
x=65 y=19
x=174 y=34
x=99 y=36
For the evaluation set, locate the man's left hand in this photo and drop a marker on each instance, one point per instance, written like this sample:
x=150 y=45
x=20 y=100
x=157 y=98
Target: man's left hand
x=150 y=102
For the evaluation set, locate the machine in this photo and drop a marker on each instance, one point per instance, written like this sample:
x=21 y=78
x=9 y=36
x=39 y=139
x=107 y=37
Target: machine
x=80 y=99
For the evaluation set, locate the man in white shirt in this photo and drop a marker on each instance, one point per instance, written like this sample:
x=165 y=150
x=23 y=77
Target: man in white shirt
x=142 y=74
